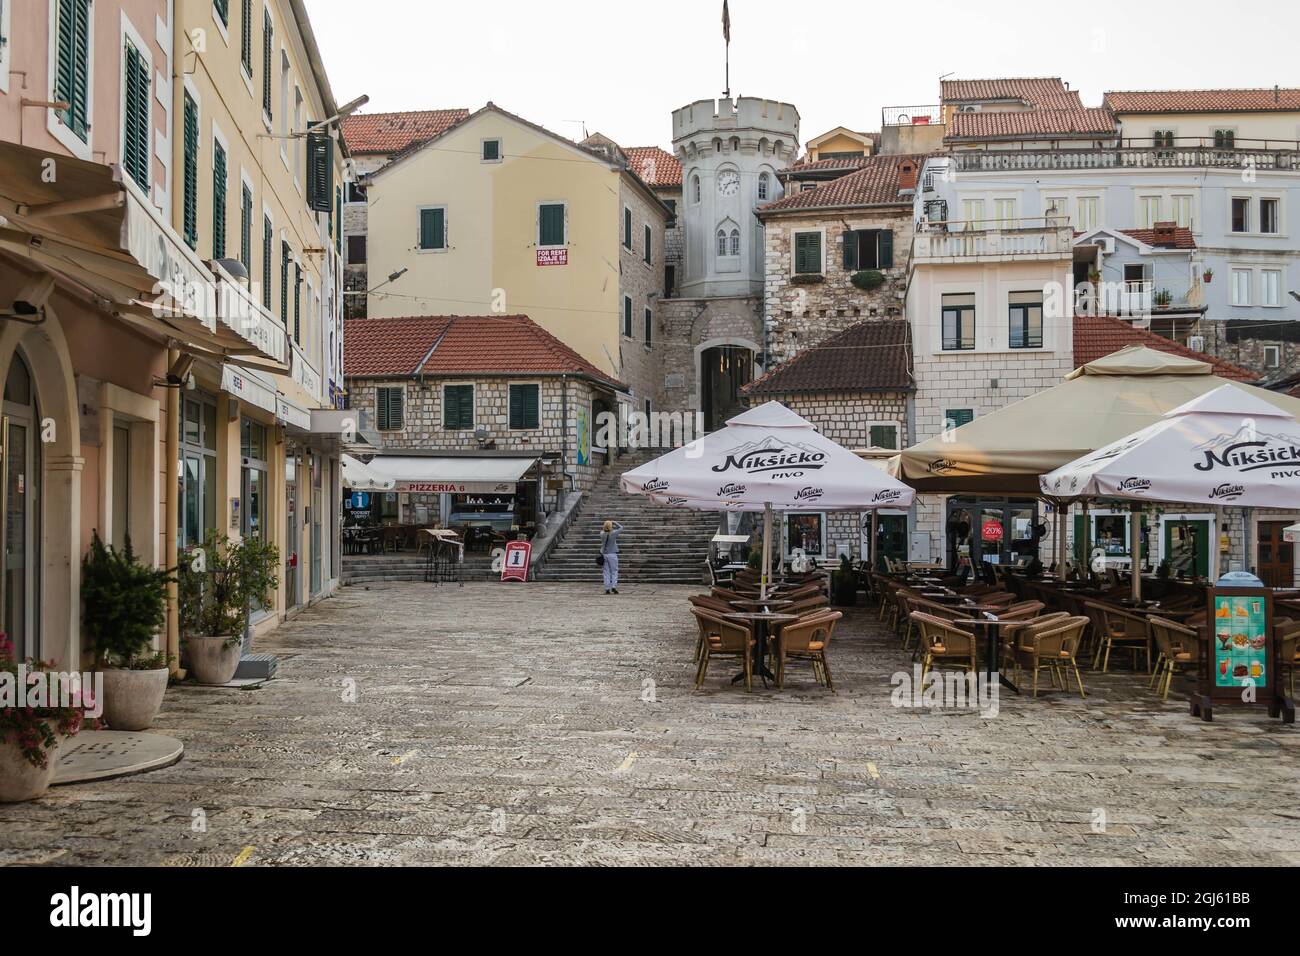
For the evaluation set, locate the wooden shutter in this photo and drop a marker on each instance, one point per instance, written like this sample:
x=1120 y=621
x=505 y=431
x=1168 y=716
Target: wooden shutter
x=389 y=407
x=72 y=75
x=284 y=283
x=191 y=172
x=851 y=251
x=246 y=228
x=218 y=202
x=320 y=172
x=524 y=409
x=458 y=407
x=627 y=228
x=338 y=219
x=268 y=42
x=136 y=117
x=267 y=241
x=246 y=35
x=551 y=231
x=432 y=229
x=223 y=11
x=886 y=249
x=808 y=252
x=297 y=303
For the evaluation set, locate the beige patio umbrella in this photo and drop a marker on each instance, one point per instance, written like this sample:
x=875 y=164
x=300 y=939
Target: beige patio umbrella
x=1006 y=451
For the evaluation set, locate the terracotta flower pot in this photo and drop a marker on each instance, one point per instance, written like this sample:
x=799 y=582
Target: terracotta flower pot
x=132 y=699
x=19 y=780
x=214 y=660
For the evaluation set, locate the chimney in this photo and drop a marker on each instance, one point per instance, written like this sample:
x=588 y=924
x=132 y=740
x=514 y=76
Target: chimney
x=907 y=172
x=1164 y=235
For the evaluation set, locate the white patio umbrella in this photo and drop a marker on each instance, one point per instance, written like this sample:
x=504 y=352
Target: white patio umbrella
x=767 y=459
x=359 y=476
x=1226 y=447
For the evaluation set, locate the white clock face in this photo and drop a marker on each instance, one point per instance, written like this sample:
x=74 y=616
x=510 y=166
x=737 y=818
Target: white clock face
x=728 y=182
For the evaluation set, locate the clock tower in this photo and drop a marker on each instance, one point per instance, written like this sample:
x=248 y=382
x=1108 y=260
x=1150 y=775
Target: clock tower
x=730 y=152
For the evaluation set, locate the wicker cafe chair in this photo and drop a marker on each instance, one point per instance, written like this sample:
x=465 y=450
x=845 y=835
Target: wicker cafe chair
x=711 y=605
x=944 y=644
x=723 y=638
x=1010 y=636
x=1287 y=633
x=807 y=639
x=1022 y=611
x=1114 y=627
x=1052 y=645
x=1177 y=646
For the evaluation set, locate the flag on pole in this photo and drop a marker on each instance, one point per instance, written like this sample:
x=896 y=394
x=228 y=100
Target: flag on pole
x=726 y=21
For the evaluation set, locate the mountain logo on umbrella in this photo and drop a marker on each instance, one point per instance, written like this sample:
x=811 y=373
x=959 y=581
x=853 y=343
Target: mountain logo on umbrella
x=758 y=458
x=1265 y=451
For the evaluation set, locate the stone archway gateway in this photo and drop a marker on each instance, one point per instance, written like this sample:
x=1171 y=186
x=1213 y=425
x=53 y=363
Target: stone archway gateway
x=724 y=367
x=42 y=467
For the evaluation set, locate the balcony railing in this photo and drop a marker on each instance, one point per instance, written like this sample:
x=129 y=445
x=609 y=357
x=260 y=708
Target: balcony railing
x=911 y=115
x=993 y=239
x=1276 y=156
x=1126 y=299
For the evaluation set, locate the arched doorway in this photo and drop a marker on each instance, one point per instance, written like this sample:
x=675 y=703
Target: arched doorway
x=20 y=509
x=724 y=370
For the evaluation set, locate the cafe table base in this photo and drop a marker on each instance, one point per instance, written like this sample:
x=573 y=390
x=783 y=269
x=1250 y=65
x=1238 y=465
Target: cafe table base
x=761 y=622
x=993 y=648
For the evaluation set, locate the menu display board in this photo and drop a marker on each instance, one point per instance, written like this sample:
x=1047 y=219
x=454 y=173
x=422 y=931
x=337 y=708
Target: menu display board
x=1240 y=642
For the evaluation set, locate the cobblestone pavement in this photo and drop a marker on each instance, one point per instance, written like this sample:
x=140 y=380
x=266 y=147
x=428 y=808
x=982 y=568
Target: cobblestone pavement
x=509 y=725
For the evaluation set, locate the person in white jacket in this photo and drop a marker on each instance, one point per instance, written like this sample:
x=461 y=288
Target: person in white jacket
x=609 y=551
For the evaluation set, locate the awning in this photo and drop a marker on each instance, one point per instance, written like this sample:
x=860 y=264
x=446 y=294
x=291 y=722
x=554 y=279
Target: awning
x=459 y=476
x=88 y=227
x=359 y=476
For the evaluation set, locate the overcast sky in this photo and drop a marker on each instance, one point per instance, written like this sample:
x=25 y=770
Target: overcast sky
x=622 y=67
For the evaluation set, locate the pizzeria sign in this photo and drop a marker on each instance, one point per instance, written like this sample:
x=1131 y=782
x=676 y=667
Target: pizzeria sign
x=455 y=487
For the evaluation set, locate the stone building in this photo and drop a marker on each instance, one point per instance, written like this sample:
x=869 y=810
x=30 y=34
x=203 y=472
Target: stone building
x=838 y=253
x=461 y=403
x=856 y=387
x=374 y=139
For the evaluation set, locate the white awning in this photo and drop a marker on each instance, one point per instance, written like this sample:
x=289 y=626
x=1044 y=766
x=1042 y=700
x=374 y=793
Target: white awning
x=360 y=477
x=458 y=476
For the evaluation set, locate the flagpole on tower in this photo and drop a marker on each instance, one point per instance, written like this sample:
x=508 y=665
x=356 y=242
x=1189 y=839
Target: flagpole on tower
x=726 y=35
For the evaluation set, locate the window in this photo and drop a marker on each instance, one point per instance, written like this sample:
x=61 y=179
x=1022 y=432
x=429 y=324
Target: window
x=733 y=243
x=72 y=73
x=695 y=189
x=1025 y=329
x=390 y=409
x=1268 y=218
x=267 y=242
x=958 y=322
x=246 y=227
x=1163 y=138
x=807 y=253
x=1272 y=356
x=190 y=171
x=433 y=228
x=627 y=316
x=197 y=509
x=222 y=10
x=1225 y=139
x=525 y=406
x=1004 y=210
x=764 y=187
x=297 y=128
x=1089 y=217
x=137 y=125
x=1240 y=214
x=1183 y=211
x=219 y=174
x=120 y=505
x=649 y=327
x=672 y=213
x=246 y=37
x=868 y=249
x=1057 y=206
x=648 y=236
x=722 y=242
x=1241 y=286
x=883 y=436
x=458 y=407
x=957 y=417
x=550 y=224
x=491 y=150
x=297 y=302
x=356 y=250
x=356 y=193
x=972 y=211
x=268 y=47
x=284 y=283
x=1148 y=211
x=1270 y=287
x=1135 y=276
x=627 y=228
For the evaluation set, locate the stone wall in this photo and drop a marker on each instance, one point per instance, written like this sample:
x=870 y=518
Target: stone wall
x=801 y=315
x=355 y=215
x=1245 y=347
x=688 y=323
x=641 y=362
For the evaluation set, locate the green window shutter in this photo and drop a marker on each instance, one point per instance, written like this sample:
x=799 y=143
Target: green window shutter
x=191 y=172
x=218 y=201
x=223 y=11
x=320 y=171
x=886 y=240
x=524 y=406
x=551 y=225
x=267 y=241
x=433 y=229
x=458 y=407
x=136 y=116
x=268 y=44
x=851 y=251
x=297 y=303
x=338 y=219
x=72 y=72
x=389 y=409
x=246 y=228
x=649 y=244
x=284 y=283
x=627 y=228
x=246 y=35
x=959 y=416
x=808 y=252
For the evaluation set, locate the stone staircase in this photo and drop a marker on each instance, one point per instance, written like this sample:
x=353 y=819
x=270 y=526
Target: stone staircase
x=659 y=544
x=364 y=569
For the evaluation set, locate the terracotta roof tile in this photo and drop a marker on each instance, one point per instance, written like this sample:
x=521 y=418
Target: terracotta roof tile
x=837 y=162
x=1183 y=237
x=876 y=184
x=459 y=345
x=1096 y=336
x=657 y=167
x=872 y=356
x=1041 y=91
x=394 y=132
x=1035 y=122
x=1203 y=101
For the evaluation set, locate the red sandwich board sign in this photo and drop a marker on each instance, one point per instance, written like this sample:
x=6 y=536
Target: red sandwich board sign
x=518 y=556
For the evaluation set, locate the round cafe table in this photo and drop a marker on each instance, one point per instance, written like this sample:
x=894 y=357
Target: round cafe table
x=993 y=644
x=761 y=620
x=758 y=604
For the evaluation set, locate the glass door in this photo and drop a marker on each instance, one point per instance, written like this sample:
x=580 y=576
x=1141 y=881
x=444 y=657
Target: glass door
x=20 y=510
x=317 y=540
x=1187 y=547
x=1276 y=562
x=291 y=546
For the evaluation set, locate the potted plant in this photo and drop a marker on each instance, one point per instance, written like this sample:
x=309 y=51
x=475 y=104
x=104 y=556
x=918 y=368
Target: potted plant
x=1209 y=276
x=868 y=280
x=844 y=583
x=125 y=605
x=31 y=731
x=220 y=583
x=1094 y=276
x=1164 y=297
